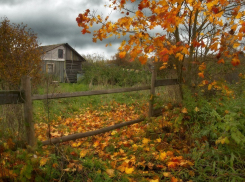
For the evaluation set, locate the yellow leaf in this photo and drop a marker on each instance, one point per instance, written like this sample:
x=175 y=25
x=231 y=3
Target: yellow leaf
x=83 y=153
x=184 y=110
x=234 y=27
x=66 y=170
x=154 y=180
x=110 y=172
x=180 y=56
x=43 y=161
x=129 y=170
x=121 y=168
x=185 y=51
x=167 y=174
x=135 y=147
x=113 y=132
x=239 y=15
x=145 y=141
x=163 y=156
x=196 y=109
x=235 y=45
x=209 y=86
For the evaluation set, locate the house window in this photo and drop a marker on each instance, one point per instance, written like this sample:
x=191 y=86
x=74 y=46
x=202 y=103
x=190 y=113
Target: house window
x=60 y=53
x=50 y=68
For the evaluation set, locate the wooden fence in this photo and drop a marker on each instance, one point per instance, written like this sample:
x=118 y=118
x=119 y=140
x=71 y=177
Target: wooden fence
x=24 y=96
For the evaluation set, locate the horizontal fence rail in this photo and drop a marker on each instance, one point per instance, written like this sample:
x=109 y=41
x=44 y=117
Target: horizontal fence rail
x=24 y=96
x=11 y=97
x=101 y=92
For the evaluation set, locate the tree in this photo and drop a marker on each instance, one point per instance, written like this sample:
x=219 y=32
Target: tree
x=18 y=54
x=186 y=32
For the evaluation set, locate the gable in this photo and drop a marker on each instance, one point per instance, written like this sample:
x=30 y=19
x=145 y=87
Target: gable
x=60 y=52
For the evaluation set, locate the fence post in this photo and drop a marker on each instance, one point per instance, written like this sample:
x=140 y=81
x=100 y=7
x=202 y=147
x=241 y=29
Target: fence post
x=26 y=86
x=152 y=92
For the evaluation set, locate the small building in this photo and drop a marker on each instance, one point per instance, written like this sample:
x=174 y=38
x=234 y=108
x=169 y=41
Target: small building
x=62 y=61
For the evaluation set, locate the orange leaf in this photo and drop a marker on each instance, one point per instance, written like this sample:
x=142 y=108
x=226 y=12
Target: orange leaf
x=221 y=61
x=235 y=61
x=172 y=164
x=173 y=179
x=201 y=74
x=122 y=54
x=184 y=110
x=143 y=59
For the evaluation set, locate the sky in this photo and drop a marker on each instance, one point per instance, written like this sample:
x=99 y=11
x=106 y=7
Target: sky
x=54 y=22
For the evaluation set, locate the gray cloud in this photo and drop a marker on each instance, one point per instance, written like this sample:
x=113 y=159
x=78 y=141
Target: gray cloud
x=55 y=22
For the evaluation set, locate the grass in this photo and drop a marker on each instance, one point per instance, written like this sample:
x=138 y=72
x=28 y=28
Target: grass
x=202 y=140
x=69 y=106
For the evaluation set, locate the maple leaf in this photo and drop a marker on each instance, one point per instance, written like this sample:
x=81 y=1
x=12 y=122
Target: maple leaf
x=167 y=174
x=43 y=161
x=83 y=153
x=122 y=54
x=235 y=61
x=129 y=170
x=184 y=110
x=196 y=109
x=172 y=164
x=221 y=61
x=201 y=74
x=163 y=156
x=173 y=179
x=215 y=10
x=143 y=59
x=180 y=56
x=145 y=141
x=110 y=172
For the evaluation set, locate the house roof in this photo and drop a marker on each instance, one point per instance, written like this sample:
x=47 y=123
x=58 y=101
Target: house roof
x=47 y=48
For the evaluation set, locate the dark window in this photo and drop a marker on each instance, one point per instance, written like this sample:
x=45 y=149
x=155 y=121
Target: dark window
x=60 y=53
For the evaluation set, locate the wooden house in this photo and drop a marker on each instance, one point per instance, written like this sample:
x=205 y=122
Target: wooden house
x=62 y=61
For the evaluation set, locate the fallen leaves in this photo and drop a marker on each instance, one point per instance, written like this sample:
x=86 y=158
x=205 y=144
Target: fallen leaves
x=128 y=149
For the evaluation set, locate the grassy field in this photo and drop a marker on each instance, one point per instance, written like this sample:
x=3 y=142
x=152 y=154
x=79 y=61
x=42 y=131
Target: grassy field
x=70 y=106
x=200 y=139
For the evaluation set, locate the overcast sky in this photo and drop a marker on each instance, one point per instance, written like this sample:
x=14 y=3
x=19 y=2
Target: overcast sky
x=54 y=21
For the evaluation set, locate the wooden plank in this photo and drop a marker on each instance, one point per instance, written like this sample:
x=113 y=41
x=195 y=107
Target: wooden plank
x=28 y=115
x=166 y=82
x=152 y=92
x=88 y=93
x=89 y=133
x=11 y=97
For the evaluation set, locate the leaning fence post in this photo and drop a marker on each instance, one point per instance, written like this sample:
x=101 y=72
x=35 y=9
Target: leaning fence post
x=29 y=124
x=152 y=92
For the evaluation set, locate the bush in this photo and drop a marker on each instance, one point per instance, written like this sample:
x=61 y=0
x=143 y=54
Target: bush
x=102 y=73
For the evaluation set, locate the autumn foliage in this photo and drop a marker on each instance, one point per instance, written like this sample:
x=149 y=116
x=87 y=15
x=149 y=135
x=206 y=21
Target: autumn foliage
x=18 y=54
x=185 y=31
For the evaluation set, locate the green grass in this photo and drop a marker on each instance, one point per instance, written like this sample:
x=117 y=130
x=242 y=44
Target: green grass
x=71 y=106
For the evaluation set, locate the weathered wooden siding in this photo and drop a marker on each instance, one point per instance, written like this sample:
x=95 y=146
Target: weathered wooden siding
x=72 y=69
x=70 y=55
x=53 y=54
x=59 y=67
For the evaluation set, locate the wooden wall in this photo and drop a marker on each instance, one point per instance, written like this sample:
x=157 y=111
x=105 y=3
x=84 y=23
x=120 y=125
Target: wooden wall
x=72 y=69
x=59 y=67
